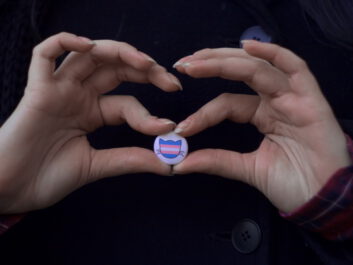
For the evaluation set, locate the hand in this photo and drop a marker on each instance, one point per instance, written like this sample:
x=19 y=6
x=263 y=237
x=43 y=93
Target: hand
x=44 y=151
x=303 y=144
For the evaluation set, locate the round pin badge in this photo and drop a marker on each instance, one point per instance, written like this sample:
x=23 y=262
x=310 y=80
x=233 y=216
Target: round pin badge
x=171 y=148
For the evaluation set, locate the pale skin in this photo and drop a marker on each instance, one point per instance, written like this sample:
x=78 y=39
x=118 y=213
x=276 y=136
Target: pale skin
x=44 y=151
x=303 y=143
x=45 y=154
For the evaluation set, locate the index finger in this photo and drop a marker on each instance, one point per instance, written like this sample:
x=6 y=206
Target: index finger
x=235 y=107
x=44 y=55
x=258 y=74
x=79 y=66
x=109 y=51
x=282 y=58
x=287 y=62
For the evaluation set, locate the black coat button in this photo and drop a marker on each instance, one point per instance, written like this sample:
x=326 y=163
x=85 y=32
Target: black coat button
x=246 y=236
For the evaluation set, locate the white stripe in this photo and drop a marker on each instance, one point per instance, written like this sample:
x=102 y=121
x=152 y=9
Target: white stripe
x=170 y=149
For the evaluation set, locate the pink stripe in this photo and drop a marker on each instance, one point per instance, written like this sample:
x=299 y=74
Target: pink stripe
x=170 y=146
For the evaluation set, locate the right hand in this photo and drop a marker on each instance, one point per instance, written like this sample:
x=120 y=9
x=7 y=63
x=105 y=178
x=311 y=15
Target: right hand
x=303 y=144
x=44 y=151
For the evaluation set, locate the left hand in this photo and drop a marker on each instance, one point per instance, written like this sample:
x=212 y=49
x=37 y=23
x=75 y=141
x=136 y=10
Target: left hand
x=44 y=151
x=303 y=144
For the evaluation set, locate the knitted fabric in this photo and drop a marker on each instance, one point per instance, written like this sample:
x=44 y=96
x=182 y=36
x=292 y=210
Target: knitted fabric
x=18 y=35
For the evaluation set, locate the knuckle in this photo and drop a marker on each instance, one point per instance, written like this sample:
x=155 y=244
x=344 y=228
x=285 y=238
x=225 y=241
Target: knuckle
x=260 y=64
x=203 y=117
x=227 y=99
x=37 y=50
x=260 y=67
x=41 y=50
x=156 y=69
x=276 y=50
x=64 y=34
x=218 y=159
x=161 y=68
x=124 y=46
x=301 y=64
x=276 y=47
x=225 y=102
x=224 y=97
x=130 y=99
x=123 y=43
x=203 y=51
x=197 y=116
x=133 y=100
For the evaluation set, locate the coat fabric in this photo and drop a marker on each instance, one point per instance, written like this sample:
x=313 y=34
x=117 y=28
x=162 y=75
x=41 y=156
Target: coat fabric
x=149 y=219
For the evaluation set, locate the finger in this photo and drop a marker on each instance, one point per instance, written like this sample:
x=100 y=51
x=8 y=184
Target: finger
x=79 y=66
x=287 y=62
x=116 y=110
x=108 y=51
x=108 y=77
x=212 y=53
x=219 y=53
x=258 y=74
x=219 y=162
x=120 y=161
x=204 y=54
x=76 y=67
x=45 y=54
x=236 y=107
x=282 y=58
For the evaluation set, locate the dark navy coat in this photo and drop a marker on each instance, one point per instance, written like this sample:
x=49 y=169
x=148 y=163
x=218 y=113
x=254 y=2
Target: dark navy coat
x=181 y=220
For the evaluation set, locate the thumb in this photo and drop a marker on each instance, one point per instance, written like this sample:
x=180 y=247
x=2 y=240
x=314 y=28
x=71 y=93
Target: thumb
x=228 y=164
x=120 y=161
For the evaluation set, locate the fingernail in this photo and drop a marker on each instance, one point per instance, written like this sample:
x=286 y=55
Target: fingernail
x=181 y=64
x=87 y=40
x=149 y=58
x=181 y=127
x=247 y=41
x=177 y=64
x=166 y=121
x=175 y=81
x=182 y=61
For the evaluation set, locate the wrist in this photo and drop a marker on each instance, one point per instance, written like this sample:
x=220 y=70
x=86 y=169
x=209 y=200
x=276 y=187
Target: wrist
x=330 y=211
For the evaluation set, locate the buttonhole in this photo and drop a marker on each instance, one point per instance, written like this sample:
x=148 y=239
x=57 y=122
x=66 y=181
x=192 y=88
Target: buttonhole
x=221 y=236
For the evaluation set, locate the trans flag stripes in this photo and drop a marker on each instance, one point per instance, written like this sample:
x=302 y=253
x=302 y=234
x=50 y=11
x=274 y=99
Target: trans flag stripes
x=169 y=148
